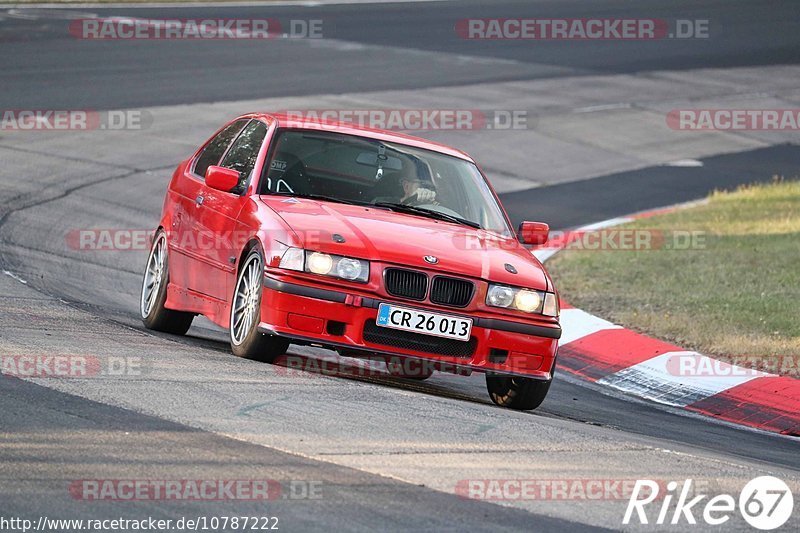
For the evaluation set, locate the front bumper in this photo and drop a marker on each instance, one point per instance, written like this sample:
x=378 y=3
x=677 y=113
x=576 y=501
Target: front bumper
x=344 y=321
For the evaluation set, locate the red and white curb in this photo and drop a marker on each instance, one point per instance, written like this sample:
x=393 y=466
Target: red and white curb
x=608 y=354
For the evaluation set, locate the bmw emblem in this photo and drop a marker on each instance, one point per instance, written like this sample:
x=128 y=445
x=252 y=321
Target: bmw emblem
x=432 y=259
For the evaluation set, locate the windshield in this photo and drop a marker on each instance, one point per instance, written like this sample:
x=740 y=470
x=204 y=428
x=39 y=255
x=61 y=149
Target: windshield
x=350 y=169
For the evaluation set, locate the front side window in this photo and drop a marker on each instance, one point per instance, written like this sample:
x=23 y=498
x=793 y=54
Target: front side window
x=244 y=151
x=213 y=151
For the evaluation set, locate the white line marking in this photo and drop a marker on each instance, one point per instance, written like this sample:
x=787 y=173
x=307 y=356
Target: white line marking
x=12 y=275
x=611 y=222
x=685 y=163
x=576 y=324
x=543 y=254
x=20 y=14
x=63 y=13
x=603 y=107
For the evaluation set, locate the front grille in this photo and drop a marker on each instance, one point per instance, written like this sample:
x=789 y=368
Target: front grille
x=406 y=283
x=408 y=340
x=451 y=291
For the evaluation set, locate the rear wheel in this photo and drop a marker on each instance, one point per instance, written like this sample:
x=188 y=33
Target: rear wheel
x=154 y=292
x=517 y=392
x=246 y=340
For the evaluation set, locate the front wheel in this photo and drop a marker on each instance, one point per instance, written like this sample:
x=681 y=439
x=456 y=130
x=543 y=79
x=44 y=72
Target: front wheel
x=516 y=392
x=246 y=341
x=154 y=292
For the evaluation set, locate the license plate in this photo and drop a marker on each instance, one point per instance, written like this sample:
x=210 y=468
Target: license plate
x=451 y=327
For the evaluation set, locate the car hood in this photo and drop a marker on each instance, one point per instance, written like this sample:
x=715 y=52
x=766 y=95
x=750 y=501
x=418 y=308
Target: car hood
x=391 y=237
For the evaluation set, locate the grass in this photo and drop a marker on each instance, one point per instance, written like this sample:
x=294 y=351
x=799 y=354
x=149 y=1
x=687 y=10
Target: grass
x=736 y=295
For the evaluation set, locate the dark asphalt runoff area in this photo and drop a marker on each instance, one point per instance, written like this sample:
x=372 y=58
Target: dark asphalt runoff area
x=573 y=204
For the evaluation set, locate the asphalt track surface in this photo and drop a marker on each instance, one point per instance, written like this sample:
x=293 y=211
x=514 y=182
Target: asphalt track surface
x=51 y=437
x=45 y=57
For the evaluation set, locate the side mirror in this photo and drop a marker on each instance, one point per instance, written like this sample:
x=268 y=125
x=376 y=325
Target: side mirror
x=534 y=233
x=221 y=178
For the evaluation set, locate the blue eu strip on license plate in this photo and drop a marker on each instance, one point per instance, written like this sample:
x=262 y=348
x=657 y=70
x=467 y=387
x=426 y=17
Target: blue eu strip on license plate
x=383 y=314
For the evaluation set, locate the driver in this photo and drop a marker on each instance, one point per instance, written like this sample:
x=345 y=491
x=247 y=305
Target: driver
x=415 y=192
x=413 y=187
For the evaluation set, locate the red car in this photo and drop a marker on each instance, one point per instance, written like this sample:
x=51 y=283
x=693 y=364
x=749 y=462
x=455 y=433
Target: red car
x=368 y=242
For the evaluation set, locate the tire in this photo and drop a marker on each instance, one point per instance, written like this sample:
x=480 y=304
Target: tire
x=246 y=341
x=515 y=392
x=154 y=292
x=414 y=369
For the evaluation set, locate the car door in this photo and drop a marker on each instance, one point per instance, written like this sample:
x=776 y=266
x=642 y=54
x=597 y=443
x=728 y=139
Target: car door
x=188 y=265
x=218 y=213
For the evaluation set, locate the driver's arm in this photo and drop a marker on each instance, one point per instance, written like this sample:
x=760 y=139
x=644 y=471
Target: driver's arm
x=425 y=196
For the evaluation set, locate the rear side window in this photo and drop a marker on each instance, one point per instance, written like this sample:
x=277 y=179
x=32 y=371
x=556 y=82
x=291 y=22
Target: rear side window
x=244 y=151
x=213 y=151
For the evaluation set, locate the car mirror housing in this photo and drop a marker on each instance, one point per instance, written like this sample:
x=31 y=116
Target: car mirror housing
x=535 y=233
x=221 y=178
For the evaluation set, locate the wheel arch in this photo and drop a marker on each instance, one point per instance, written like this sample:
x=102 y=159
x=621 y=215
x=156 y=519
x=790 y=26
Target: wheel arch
x=253 y=243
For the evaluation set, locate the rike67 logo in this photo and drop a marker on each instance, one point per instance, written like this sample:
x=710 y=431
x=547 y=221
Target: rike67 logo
x=765 y=503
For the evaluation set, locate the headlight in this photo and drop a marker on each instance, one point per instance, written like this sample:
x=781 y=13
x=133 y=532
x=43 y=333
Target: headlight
x=319 y=263
x=348 y=268
x=525 y=300
x=326 y=264
x=500 y=296
x=528 y=301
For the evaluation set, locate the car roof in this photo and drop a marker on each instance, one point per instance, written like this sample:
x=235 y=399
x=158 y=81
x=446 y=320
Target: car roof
x=299 y=122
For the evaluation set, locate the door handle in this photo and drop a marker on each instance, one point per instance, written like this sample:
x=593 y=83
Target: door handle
x=199 y=200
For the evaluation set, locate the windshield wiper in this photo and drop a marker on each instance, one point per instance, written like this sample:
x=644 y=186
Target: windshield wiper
x=430 y=213
x=320 y=197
